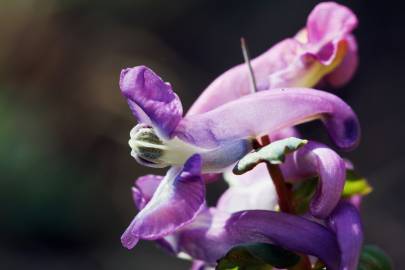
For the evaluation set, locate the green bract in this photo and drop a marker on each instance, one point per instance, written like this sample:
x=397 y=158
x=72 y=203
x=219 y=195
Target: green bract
x=273 y=153
x=373 y=258
x=355 y=185
x=258 y=256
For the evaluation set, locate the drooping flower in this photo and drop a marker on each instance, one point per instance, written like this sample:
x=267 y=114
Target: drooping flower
x=220 y=137
x=315 y=159
x=324 y=50
x=214 y=231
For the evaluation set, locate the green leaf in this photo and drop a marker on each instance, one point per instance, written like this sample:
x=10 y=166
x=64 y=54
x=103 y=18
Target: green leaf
x=373 y=258
x=258 y=256
x=302 y=195
x=355 y=185
x=273 y=153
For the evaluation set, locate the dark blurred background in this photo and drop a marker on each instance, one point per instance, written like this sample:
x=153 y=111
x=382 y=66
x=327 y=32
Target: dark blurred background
x=65 y=167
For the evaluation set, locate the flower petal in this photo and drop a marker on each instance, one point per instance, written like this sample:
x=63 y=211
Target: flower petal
x=329 y=20
x=250 y=191
x=235 y=82
x=316 y=51
x=270 y=111
x=346 y=223
x=145 y=187
x=315 y=159
x=345 y=71
x=151 y=100
x=176 y=201
x=214 y=233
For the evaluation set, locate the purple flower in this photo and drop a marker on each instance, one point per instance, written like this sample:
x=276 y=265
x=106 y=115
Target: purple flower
x=324 y=49
x=214 y=231
x=315 y=159
x=219 y=137
x=163 y=137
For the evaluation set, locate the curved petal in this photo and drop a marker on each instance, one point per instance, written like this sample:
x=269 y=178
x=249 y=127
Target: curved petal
x=270 y=111
x=176 y=201
x=145 y=187
x=329 y=20
x=235 y=82
x=317 y=50
x=346 y=223
x=253 y=190
x=314 y=159
x=151 y=100
x=285 y=133
x=214 y=233
x=345 y=71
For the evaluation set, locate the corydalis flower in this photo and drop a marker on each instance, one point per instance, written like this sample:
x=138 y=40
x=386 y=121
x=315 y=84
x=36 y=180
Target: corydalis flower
x=163 y=137
x=220 y=137
x=244 y=216
x=324 y=49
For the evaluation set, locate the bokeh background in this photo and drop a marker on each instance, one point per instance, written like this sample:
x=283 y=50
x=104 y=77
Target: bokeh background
x=65 y=168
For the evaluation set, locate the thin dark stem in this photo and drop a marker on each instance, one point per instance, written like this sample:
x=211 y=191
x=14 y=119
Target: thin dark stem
x=283 y=192
x=246 y=56
x=284 y=200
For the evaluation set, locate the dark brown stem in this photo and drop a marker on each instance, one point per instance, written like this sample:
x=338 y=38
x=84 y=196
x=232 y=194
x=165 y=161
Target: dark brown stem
x=284 y=199
x=283 y=192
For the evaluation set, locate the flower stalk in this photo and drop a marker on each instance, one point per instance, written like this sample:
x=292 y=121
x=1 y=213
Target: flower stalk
x=284 y=195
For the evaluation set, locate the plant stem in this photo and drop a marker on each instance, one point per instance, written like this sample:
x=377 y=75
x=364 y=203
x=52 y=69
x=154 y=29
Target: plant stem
x=246 y=57
x=283 y=192
x=284 y=200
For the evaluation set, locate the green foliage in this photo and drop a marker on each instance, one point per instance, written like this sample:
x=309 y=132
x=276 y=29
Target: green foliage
x=373 y=258
x=258 y=256
x=355 y=185
x=273 y=153
x=302 y=195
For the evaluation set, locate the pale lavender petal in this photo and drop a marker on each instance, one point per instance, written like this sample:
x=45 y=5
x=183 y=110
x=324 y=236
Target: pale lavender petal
x=314 y=159
x=356 y=200
x=329 y=21
x=145 y=187
x=198 y=265
x=301 y=61
x=175 y=203
x=345 y=221
x=228 y=152
x=285 y=133
x=253 y=190
x=151 y=100
x=268 y=112
x=235 y=82
x=214 y=233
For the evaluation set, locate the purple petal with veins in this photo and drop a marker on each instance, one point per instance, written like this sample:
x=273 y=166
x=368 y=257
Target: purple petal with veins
x=268 y=112
x=151 y=100
x=176 y=201
x=214 y=232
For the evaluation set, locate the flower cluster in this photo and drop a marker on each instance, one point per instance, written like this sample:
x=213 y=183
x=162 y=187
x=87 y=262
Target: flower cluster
x=284 y=191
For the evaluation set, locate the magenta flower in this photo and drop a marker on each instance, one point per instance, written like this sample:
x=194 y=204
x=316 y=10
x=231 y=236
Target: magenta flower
x=216 y=230
x=324 y=49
